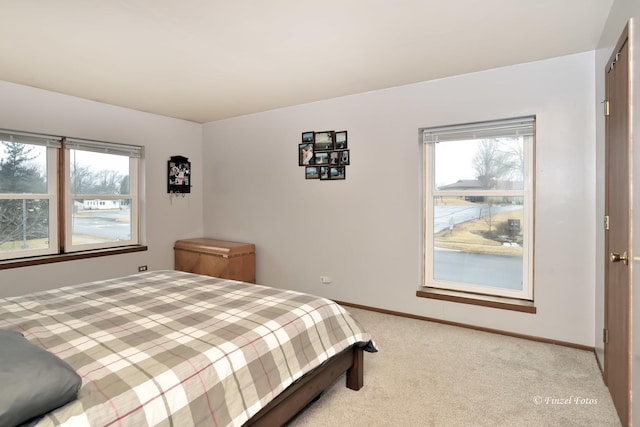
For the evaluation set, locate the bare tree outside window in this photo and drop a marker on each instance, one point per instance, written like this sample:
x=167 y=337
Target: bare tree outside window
x=498 y=164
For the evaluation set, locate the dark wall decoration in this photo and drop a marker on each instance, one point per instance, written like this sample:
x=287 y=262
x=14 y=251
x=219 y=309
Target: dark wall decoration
x=179 y=169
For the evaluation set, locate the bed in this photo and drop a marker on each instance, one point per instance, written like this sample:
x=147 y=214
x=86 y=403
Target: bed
x=174 y=348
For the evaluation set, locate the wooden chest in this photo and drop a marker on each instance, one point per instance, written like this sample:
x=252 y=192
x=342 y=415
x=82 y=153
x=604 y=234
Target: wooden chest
x=218 y=258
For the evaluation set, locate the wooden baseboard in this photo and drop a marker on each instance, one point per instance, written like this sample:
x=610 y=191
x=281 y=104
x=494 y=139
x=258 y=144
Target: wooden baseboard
x=464 y=325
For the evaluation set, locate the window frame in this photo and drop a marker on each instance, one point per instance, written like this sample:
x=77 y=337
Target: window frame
x=134 y=153
x=430 y=192
x=59 y=196
x=52 y=145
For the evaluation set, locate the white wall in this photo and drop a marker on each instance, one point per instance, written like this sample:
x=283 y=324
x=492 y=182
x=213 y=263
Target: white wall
x=621 y=12
x=365 y=232
x=33 y=110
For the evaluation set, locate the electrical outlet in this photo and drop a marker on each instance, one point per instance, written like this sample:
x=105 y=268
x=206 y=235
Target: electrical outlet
x=142 y=268
x=325 y=280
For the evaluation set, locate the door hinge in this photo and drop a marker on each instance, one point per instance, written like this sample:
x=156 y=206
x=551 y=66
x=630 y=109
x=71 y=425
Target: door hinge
x=606 y=222
x=606 y=108
x=605 y=335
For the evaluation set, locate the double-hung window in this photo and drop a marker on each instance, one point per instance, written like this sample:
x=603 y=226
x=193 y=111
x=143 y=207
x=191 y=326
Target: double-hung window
x=478 y=202
x=28 y=194
x=64 y=195
x=101 y=201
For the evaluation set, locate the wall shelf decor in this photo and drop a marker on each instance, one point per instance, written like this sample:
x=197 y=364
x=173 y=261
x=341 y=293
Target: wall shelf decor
x=324 y=155
x=179 y=170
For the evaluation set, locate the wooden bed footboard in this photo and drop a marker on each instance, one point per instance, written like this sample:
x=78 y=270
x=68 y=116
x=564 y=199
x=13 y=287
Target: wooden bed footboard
x=298 y=395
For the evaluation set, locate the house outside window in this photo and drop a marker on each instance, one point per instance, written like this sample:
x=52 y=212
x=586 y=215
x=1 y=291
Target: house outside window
x=478 y=202
x=96 y=206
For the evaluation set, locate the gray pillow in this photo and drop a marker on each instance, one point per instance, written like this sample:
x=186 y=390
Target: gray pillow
x=33 y=380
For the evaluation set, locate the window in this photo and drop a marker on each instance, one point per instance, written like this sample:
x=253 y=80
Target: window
x=478 y=199
x=28 y=195
x=63 y=195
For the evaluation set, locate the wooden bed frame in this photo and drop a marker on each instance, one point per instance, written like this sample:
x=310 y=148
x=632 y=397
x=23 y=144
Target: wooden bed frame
x=298 y=395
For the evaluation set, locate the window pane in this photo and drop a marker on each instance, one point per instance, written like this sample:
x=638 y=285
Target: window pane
x=98 y=173
x=100 y=221
x=24 y=224
x=478 y=240
x=23 y=168
x=480 y=164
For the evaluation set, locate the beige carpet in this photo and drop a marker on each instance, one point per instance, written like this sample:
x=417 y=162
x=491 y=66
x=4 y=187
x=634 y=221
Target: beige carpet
x=429 y=374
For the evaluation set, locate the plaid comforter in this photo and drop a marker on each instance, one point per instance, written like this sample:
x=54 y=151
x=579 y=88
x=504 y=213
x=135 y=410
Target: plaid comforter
x=170 y=348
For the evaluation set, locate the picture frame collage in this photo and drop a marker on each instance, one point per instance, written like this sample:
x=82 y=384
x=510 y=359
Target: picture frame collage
x=324 y=155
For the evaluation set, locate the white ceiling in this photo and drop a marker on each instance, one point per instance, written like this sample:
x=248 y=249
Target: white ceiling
x=205 y=60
